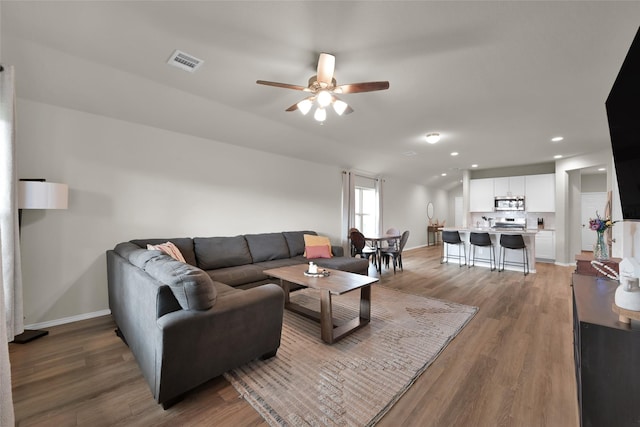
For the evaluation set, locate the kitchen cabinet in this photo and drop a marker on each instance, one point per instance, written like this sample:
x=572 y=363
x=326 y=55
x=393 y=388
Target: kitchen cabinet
x=540 y=195
x=606 y=356
x=481 y=195
x=546 y=245
x=509 y=186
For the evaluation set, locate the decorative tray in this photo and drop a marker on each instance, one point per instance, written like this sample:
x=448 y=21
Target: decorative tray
x=320 y=273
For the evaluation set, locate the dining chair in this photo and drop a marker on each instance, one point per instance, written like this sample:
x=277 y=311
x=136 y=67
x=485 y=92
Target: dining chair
x=359 y=247
x=392 y=242
x=395 y=252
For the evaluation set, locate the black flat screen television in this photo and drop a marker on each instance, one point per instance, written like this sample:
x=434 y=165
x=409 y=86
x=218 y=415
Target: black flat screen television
x=623 y=113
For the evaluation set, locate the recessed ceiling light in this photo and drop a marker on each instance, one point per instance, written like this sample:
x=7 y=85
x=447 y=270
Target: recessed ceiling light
x=557 y=156
x=432 y=138
x=602 y=169
x=557 y=138
x=474 y=165
x=443 y=174
x=455 y=153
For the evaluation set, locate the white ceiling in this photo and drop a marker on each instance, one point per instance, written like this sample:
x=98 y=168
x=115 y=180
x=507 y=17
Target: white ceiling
x=496 y=79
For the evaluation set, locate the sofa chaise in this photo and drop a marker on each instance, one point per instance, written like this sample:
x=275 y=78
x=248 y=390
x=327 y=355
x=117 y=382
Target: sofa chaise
x=188 y=322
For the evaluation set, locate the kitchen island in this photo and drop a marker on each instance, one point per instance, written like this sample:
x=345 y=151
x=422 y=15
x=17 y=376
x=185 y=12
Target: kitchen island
x=482 y=253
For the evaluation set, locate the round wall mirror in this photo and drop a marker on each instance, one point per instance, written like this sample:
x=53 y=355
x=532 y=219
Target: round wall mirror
x=430 y=210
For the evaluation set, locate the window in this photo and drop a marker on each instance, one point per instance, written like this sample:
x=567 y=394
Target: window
x=365 y=210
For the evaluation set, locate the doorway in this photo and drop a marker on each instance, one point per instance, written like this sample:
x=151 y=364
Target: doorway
x=590 y=204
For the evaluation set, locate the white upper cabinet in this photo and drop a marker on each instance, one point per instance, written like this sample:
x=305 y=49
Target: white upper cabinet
x=509 y=186
x=481 y=195
x=540 y=193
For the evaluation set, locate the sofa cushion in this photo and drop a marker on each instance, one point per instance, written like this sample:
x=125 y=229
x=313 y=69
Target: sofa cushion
x=237 y=275
x=220 y=252
x=295 y=241
x=125 y=249
x=192 y=287
x=312 y=241
x=184 y=244
x=140 y=257
x=267 y=246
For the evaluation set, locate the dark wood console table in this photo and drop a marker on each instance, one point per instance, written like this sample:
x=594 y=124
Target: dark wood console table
x=607 y=356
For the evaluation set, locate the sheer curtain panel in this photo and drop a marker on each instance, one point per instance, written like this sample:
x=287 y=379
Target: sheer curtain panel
x=11 y=320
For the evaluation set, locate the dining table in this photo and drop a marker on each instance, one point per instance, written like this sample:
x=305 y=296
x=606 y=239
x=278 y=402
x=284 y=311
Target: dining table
x=376 y=242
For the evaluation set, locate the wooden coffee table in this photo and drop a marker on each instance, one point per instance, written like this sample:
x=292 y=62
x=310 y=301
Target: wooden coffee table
x=337 y=283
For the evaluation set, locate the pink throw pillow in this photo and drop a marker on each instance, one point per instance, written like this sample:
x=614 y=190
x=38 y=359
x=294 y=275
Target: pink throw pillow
x=322 y=251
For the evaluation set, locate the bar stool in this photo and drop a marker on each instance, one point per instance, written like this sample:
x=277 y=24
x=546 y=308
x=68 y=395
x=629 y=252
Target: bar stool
x=514 y=241
x=484 y=240
x=452 y=238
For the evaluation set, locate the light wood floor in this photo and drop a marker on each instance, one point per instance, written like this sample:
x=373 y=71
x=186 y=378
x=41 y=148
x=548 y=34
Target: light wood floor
x=512 y=365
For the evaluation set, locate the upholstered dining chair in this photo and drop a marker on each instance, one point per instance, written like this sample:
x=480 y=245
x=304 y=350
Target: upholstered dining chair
x=395 y=253
x=359 y=247
x=393 y=242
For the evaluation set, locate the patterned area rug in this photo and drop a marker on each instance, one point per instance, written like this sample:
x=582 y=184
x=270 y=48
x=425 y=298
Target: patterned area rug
x=355 y=381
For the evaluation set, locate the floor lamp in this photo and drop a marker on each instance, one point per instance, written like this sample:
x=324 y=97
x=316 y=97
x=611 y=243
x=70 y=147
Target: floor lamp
x=39 y=194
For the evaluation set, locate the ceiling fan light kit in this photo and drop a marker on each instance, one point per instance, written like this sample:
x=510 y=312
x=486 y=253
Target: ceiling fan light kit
x=305 y=106
x=320 y=114
x=323 y=88
x=339 y=107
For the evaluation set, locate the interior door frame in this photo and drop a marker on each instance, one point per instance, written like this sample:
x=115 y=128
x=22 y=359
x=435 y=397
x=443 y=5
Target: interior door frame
x=590 y=203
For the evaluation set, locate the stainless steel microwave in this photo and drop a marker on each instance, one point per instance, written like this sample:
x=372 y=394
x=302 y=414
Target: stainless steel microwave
x=509 y=203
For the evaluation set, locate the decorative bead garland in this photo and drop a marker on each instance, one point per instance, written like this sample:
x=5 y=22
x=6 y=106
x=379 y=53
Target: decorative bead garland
x=597 y=264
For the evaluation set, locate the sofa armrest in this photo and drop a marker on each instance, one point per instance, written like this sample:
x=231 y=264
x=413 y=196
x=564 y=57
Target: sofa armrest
x=200 y=345
x=337 y=250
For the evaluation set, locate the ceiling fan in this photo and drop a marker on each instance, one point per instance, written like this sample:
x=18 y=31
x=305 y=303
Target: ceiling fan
x=323 y=89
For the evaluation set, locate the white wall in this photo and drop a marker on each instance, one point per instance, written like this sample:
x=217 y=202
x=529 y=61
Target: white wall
x=568 y=207
x=457 y=191
x=405 y=208
x=130 y=181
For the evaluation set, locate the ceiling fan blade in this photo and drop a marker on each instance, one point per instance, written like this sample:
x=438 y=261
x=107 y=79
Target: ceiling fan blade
x=282 y=85
x=361 y=87
x=326 y=68
x=294 y=107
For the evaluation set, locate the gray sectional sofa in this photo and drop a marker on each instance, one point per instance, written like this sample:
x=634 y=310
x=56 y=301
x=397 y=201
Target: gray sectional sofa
x=187 y=323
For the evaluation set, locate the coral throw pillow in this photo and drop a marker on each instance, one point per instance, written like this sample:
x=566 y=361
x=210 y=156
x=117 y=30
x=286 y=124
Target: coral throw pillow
x=169 y=249
x=317 y=246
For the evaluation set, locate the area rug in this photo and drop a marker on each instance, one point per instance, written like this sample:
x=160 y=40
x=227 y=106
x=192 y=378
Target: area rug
x=355 y=381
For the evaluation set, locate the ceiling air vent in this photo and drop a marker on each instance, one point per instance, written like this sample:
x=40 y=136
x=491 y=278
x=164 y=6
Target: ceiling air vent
x=185 y=61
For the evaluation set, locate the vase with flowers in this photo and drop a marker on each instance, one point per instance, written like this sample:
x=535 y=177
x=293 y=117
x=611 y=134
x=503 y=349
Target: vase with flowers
x=600 y=225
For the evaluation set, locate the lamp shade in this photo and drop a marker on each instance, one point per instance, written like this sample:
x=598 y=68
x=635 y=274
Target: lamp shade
x=42 y=195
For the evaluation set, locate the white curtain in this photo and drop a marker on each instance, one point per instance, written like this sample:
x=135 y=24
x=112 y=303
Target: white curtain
x=348 y=209
x=11 y=315
x=349 y=181
x=379 y=185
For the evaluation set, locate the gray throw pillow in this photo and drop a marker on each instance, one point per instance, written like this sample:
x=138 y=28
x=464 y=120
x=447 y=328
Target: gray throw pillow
x=140 y=257
x=192 y=287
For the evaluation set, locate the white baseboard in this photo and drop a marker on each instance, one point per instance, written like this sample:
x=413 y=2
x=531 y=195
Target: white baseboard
x=566 y=264
x=66 y=320
x=415 y=247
